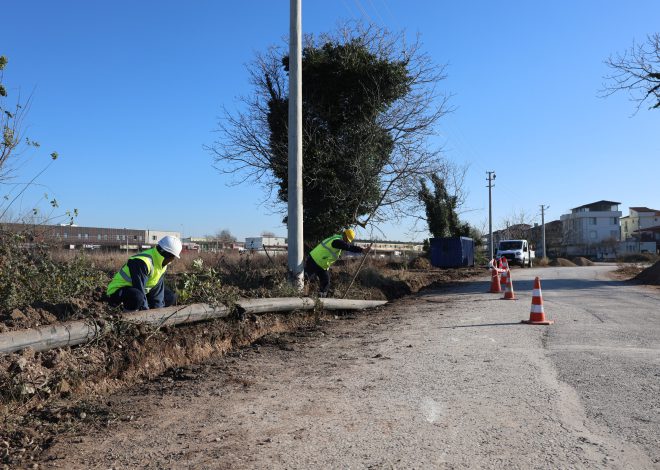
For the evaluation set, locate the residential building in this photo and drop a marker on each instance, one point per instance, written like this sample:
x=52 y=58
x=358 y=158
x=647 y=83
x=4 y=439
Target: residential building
x=592 y=230
x=637 y=221
x=553 y=239
x=512 y=232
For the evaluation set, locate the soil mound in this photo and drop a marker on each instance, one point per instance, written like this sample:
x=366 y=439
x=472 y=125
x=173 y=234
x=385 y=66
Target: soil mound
x=650 y=275
x=562 y=262
x=583 y=262
x=420 y=263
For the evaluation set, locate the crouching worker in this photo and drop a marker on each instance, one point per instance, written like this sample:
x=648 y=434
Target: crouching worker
x=139 y=284
x=325 y=254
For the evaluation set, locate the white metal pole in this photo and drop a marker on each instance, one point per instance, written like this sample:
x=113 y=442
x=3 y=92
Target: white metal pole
x=295 y=223
x=491 y=177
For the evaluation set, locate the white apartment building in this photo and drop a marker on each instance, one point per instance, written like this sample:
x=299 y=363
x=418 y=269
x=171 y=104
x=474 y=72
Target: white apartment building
x=592 y=230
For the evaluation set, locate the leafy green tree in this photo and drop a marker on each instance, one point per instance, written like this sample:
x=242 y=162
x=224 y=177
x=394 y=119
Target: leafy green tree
x=369 y=104
x=440 y=208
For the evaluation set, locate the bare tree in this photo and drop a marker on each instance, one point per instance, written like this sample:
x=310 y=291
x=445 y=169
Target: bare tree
x=13 y=143
x=637 y=71
x=11 y=124
x=516 y=226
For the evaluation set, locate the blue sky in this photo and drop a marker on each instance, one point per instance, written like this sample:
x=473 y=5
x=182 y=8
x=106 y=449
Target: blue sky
x=128 y=93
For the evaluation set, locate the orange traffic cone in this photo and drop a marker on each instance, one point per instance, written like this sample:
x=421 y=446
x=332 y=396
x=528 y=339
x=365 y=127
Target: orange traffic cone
x=537 y=315
x=495 y=287
x=505 y=269
x=508 y=293
x=504 y=274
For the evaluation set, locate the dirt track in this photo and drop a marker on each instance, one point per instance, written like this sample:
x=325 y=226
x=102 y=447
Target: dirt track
x=445 y=379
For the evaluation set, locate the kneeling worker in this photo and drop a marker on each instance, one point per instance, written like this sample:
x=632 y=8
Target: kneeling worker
x=139 y=284
x=326 y=253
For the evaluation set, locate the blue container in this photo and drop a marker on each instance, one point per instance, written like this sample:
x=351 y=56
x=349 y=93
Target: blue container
x=452 y=252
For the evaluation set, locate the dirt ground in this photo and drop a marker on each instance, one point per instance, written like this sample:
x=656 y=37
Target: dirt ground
x=47 y=394
x=58 y=396
x=445 y=379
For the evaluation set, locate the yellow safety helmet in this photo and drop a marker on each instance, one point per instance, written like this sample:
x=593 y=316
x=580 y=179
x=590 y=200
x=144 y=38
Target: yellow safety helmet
x=349 y=235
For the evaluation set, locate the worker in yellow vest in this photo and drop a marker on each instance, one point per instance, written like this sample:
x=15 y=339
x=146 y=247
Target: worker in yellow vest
x=139 y=283
x=326 y=253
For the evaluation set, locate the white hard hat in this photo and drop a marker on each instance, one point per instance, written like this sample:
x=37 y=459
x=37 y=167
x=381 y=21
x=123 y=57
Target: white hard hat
x=171 y=245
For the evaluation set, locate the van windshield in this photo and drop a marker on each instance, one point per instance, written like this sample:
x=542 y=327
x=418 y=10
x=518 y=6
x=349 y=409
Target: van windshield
x=514 y=245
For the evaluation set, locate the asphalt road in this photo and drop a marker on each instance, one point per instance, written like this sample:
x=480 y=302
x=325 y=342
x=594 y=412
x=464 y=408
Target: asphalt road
x=445 y=379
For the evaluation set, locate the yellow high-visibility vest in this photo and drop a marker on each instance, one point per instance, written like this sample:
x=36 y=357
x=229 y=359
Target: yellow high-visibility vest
x=324 y=254
x=154 y=262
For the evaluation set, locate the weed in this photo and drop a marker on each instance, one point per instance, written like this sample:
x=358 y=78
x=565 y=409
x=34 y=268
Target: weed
x=29 y=275
x=205 y=285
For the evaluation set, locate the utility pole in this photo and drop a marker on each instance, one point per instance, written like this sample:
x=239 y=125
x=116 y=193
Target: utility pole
x=491 y=178
x=543 y=209
x=295 y=210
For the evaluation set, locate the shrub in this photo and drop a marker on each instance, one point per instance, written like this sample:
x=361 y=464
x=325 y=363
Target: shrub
x=29 y=275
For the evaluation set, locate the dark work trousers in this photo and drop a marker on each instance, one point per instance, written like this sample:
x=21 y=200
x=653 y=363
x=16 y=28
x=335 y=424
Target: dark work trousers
x=133 y=299
x=312 y=269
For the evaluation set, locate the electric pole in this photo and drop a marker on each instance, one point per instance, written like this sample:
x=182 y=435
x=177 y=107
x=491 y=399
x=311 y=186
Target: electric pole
x=543 y=209
x=491 y=178
x=295 y=209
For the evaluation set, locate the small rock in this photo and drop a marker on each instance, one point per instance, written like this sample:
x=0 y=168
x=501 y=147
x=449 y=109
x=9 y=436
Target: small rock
x=16 y=315
x=63 y=387
x=19 y=364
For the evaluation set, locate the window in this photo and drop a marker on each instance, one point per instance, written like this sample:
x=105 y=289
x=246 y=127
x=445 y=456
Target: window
x=117 y=237
x=65 y=235
x=153 y=238
x=105 y=236
x=79 y=235
x=593 y=234
x=593 y=220
x=86 y=236
x=615 y=221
